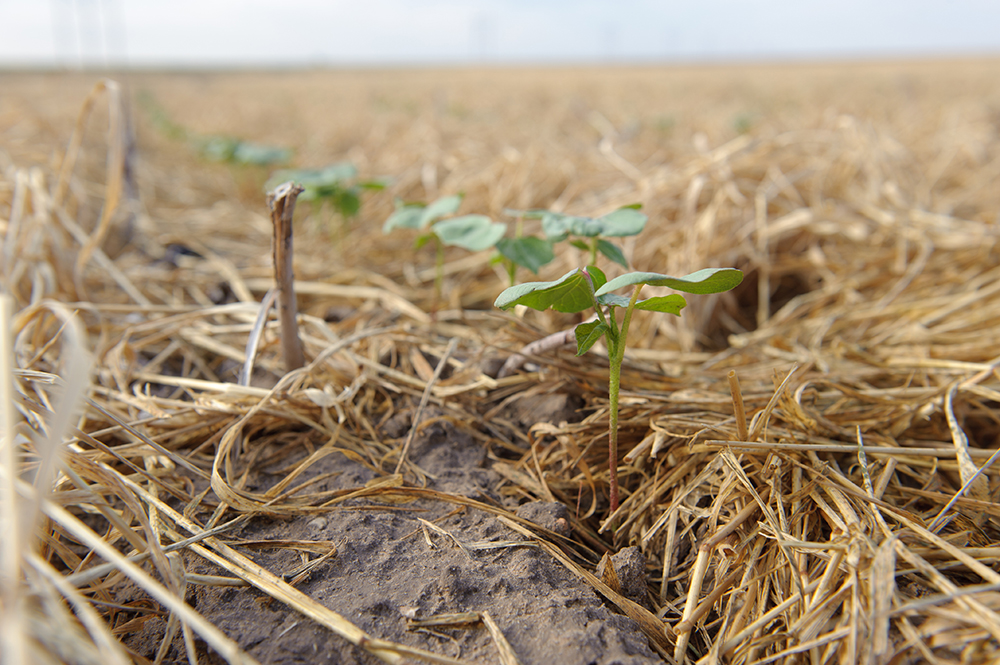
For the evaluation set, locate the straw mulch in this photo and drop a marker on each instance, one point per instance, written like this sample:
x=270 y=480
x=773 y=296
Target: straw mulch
x=809 y=461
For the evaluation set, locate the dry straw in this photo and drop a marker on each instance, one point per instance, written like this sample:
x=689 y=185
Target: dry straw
x=810 y=464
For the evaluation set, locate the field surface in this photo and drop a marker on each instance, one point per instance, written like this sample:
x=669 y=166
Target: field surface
x=807 y=462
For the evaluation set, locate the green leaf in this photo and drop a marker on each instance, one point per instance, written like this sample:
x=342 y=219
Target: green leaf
x=556 y=225
x=405 y=217
x=306 y=195
x=330 y=191
x=632 y=206
x=587 y=335
x=219 y=148
x=612 y=251
x=259 y=154
x=374 y=185
x=672 y=304
x=597 y=276
x=613 y=300
x=442 y=207
x=346 y=201
x=228 y=149
x=472 y=232
x=570 y=293
x=529 y=252
x=586 y=226
x=422 y=240
x=328 y=176
x=579 y=244
x=553 y=225
x=708 y=280
x=526 y=214
x=627 y=221
x=332 y=182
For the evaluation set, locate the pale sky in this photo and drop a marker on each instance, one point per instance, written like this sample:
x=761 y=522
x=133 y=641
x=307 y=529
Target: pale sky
x=68 y=33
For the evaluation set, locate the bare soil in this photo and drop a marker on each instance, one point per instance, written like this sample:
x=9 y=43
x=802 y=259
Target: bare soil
x=390 y=567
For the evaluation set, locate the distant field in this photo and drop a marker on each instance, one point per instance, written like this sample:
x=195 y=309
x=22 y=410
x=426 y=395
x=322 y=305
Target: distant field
x=472 y=123
x=523 y=138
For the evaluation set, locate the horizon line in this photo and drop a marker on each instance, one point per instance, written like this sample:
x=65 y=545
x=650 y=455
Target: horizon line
x=29 y=66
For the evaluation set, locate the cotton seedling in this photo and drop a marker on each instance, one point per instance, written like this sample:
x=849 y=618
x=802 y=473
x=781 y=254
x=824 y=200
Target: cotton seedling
x=336 y=184
x=588 y=288
x=234 y=150
x=522 y=251
x=590 y=234
x=525 y=252
x=585 y=233
x=472 y=232
x=215 y=147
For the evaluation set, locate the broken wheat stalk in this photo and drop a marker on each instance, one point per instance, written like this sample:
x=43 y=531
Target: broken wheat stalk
x=281 y=202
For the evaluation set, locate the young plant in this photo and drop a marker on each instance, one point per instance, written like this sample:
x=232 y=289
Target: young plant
x=215 y=147
x=234 y=150
x=472 y=232
x=336 y=184
x=525 y=252
x=589 y=233
x=521 y=250
x=588 y=288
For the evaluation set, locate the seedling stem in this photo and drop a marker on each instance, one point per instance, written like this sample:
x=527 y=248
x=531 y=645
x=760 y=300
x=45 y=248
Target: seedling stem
x=438 y=272
x=578 y=290
x=616 y=355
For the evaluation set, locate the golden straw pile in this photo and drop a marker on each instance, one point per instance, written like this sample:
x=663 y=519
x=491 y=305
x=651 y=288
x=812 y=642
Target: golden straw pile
x=810 y=460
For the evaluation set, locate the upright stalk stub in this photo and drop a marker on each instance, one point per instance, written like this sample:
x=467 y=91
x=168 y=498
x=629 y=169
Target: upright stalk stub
x=281 y=201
